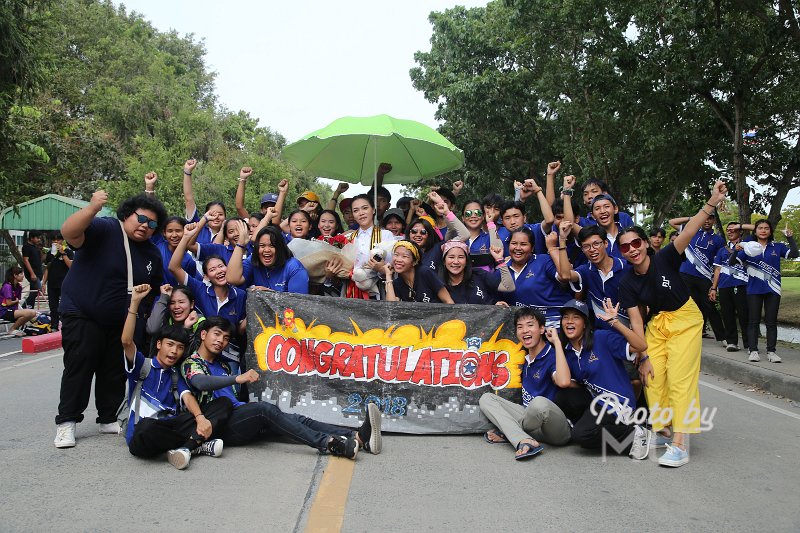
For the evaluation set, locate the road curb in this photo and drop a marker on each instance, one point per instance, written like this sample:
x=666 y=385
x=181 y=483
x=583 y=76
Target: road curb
x=773 y=381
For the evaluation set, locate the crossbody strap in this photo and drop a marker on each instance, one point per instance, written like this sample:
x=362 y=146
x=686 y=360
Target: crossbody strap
x=127 y=245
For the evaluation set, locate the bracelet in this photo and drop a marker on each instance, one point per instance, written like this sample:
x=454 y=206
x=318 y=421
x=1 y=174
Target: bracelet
x=712 y=205
x=242 y=246
x=149 y=192
x=491 y=225
x=611 y=322
x=643 y=359
x=567 y=192
x=703 y=209
x=131 y=312
x=712 y=289
x=242 y=179
x=205 y=218
x=186 y=173
x=199 y=414
x=500 y=261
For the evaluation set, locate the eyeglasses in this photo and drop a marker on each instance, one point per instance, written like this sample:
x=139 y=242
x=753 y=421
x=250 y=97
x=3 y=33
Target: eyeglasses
x=419 y=232
x=624 y=247
x=596 y=245
x=473 y=213
x=141 y=219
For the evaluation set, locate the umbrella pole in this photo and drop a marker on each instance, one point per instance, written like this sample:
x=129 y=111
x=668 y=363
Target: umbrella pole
x=375 y=178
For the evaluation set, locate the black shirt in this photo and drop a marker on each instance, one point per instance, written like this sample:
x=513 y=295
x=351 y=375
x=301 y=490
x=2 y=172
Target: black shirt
x=480 y=289
x=34 y=255
x=96 y=285
x=56 y=268
x=426 y=286
x=660 y=289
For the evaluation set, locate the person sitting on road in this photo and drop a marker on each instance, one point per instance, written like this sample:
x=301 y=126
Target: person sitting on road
x=156 y=423
x=10 y=297
x=209 y=377
x=545 y=370
x=175 y=306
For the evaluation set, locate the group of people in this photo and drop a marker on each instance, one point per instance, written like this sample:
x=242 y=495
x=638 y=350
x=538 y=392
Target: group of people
x=602 y=314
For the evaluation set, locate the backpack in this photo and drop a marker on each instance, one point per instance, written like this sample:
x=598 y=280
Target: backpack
x=39 y=325
x=124 y=411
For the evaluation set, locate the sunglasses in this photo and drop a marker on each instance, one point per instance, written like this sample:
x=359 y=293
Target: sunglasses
x=626 y=246
x=419 y=232
x=141 y=219
x=473 y=213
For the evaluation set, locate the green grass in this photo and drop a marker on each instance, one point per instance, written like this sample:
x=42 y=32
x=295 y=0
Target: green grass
x=789 y=312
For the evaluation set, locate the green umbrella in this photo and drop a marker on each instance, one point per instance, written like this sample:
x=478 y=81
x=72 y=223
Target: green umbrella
x=351 y=148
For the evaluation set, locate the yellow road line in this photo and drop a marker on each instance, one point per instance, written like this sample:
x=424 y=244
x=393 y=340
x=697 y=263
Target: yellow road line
x=327 y=511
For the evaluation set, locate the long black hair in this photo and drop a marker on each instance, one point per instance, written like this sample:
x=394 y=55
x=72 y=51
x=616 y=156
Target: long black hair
x=282 y=252
x=432 y=237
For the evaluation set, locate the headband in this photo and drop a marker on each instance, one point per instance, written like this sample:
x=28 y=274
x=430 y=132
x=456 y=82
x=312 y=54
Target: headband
x=410 y=246
x=429 y=220
x=449 y=245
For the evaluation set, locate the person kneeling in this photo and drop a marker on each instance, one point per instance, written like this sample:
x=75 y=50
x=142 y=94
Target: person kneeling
x=545 y=370
x=155 y=393
x=209 y=377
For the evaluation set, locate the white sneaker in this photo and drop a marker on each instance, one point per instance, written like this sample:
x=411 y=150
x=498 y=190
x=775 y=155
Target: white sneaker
x=179 y=458
x=211 y=448
x=724 y=344
x=754 y=357
x=772 y=357
x=732 y=347
x=109 y=429
x=641 y=443
x=65 y=435
x=18 y=333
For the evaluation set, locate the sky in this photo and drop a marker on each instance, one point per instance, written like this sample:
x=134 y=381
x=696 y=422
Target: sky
x=298 y=65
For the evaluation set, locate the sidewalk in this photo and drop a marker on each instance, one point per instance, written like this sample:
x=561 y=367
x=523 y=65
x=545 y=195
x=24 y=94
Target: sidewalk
x=781 y=379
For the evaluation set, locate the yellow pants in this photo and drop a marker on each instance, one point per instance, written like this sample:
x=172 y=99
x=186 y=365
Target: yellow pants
x=674 y=343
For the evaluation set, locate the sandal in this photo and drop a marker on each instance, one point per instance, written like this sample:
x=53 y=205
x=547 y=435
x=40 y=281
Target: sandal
x=502 y=440
x=530 y=450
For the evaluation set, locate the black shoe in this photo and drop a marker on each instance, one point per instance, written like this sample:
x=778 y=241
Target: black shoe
x=343 y=447
x=370 y=431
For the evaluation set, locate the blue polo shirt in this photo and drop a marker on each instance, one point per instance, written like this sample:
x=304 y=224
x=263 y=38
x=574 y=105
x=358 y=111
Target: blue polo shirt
x=291 y=277
x=537 y=286
x=538 y=237
x=537 y=375
x=157 y=400
x=729 y=275
x=574 y=252
x=479 y=252
x=233 y=309
x=623 y=218
x=599 y=287
x=204 y=236
x=612 y=249
x=187 y=263
x=700 y=254
x=764 y=271
x=602 y=369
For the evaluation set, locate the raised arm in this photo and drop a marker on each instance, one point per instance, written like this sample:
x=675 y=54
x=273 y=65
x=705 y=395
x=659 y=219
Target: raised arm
x=333 y=203
x=453 y=223
x=677 y=222
x=244 y=173
x=506 y=279
x=609 y=315
x=128 y=330
x=74 y=227
x=562 y=376
x=175 y=267
x=150 y=180
x=682 y=241
x=188 y=192
x=565 y=271
x=156 y=317
x=283 y=190
x=550 y=183
x=491 y=228
x=235 y=274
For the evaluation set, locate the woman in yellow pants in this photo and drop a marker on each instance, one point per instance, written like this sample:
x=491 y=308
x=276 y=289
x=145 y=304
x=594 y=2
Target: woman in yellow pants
x=671 y=369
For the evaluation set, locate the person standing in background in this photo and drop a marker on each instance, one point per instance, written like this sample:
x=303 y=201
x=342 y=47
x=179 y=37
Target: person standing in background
x=32 y=265
x=58 y=260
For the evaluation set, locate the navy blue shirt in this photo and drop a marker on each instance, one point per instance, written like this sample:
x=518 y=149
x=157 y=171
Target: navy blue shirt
x=480 y=289
x=96 y=285
x=426 y=286
x=602 y=369
x=729 y=275
x=187 y=263
x=700 y=254
x=291 y=277
x=537 y=375
x=537 y=286
x=764 y=270
x=233 y=310
x=599 y=287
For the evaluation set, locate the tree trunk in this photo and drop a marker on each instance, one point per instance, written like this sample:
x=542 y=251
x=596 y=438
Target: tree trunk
x=12 y=246
x=739 y=169
x=663 y=209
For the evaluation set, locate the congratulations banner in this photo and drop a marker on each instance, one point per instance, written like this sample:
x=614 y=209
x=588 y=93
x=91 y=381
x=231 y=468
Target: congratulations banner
x=426 y=365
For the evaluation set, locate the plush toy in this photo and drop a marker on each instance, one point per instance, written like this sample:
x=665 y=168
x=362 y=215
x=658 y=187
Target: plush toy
x=366 y=279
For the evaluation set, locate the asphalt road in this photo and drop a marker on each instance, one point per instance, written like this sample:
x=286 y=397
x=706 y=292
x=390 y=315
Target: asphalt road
x=743 y=477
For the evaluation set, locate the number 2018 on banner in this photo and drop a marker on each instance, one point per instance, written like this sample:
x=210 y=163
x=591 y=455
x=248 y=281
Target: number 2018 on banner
x=390 y=405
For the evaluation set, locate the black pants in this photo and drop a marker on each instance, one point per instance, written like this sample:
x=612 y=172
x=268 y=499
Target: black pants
x=30 y=301
x=53 y=300
x=733 y=307
x=573 y=402
x=152 y=436
x=698 y=290
x=90 y=350
x=770 y=302
x=588 y=432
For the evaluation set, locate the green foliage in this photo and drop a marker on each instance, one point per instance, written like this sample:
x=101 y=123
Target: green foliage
x=122 y=99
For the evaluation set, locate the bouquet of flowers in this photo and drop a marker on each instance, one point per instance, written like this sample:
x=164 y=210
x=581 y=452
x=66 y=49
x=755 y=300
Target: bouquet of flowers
x=315 y=254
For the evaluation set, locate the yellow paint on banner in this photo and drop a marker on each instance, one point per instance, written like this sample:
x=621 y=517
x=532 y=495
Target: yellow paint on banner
x=327 y=511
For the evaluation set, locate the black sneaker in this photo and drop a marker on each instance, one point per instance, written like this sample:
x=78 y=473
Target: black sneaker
x=370 y=430
x=343 y=447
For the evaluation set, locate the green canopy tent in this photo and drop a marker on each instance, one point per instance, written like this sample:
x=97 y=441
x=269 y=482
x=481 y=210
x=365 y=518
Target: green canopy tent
x=45 y=213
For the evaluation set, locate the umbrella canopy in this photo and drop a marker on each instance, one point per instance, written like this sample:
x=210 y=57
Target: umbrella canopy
x=351 y=148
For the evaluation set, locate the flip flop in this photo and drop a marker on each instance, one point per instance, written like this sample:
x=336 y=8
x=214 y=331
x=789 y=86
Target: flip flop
x=531 y=451
x=490 y=441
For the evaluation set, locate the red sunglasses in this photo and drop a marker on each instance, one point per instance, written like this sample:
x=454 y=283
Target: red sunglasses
x=626 y=246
